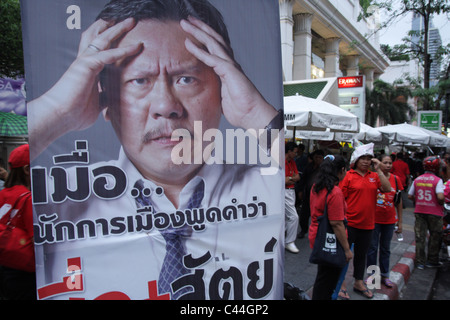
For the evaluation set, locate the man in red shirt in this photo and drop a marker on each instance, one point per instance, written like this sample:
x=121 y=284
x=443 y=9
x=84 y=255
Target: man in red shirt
x=291 y=216
x=401 y=169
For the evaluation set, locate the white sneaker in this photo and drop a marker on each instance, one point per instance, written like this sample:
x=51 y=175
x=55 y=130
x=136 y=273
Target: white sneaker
x=292 y=248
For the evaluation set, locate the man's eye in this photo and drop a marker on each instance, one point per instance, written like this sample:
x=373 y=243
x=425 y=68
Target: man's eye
x=186 y=80
x=139 y=81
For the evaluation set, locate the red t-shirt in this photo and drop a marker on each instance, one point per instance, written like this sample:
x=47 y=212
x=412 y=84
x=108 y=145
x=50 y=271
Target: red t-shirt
x=360 y=193
x=7 y=197
x=290 y=169
x=385 y=212
x=401 y=169
x=336 y=207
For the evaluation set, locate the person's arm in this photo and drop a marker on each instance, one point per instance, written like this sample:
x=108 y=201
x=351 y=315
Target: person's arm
x=399 y=209
x=291 y=180
x=440 y=192
x=385 y=184
x=73 y=102
x=411 y=192
x=440 y=198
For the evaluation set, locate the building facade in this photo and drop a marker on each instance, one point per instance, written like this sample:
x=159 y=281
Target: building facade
x=434 y=42
x=324 y=39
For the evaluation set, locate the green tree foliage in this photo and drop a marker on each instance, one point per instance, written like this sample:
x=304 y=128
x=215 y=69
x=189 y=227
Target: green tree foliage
x=11 y=52
x=388 y=103
x=411 y=49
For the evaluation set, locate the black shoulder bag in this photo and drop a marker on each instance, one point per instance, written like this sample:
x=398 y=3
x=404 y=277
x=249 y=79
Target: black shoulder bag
x=398 y=193
x=327 y=250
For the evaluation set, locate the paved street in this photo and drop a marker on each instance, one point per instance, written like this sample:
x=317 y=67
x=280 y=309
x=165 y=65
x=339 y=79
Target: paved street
x=410 y=283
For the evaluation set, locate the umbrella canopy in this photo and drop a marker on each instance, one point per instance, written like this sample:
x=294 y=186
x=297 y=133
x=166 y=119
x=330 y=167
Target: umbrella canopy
x=368 y=133
x=13 y=124
x=304 y=113
x=312 y=135
x=436 y=139
x=320 y=135
x=406 y=133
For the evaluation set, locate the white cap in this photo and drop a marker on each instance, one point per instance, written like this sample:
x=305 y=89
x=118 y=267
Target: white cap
x=364 y=150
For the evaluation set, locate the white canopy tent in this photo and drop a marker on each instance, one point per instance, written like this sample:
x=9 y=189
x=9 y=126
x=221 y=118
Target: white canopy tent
x=320 y=135
x=302 y=113
x=405 y=133
x=368 y=134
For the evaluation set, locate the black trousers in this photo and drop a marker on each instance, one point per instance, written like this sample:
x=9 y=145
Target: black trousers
x=17 y=284
x=361 y=239
x=326 y=282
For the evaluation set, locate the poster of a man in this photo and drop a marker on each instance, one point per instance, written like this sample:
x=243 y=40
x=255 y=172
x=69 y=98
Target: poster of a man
x=167 y=218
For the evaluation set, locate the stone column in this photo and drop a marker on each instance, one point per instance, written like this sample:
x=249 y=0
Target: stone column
x=332 y=57
x=302 y=46
x=369 y=73
x=352 y=66
x=287 y=41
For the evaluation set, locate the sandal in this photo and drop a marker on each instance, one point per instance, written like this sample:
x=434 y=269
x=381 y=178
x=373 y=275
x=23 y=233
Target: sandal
x=343 y=295
x=388 y=283
x=365 y=293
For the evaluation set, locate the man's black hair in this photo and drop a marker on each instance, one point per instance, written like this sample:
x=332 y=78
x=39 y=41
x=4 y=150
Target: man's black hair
x=176 y=10
x=290 y=146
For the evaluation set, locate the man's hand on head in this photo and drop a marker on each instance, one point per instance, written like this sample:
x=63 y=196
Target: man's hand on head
x=242 y=104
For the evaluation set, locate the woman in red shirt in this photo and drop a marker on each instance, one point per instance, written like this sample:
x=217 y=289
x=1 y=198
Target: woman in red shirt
x=331 y=171
x=385 y=219
x=17 y=284
x=360 y=187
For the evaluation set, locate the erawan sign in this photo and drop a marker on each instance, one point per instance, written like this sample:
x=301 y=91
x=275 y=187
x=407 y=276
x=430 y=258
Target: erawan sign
x=352 y=96
x=350 y=82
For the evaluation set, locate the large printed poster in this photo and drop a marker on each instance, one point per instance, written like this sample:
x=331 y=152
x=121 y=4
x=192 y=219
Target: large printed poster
x=154 y=130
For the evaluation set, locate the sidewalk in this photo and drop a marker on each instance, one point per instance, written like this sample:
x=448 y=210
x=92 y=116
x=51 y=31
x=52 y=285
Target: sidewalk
x=300 y=273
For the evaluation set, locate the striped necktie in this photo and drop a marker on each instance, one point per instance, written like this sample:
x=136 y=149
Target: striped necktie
x=173 y=267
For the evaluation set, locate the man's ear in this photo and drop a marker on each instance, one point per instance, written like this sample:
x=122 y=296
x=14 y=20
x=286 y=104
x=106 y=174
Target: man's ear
x=26 y=169
x=105 y=112
x=103 y=103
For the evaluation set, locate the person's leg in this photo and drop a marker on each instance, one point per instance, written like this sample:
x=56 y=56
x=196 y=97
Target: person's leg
x=325 y=283
x=420 y=231
x=362 y=243
x=304 y=219
x=351 y=233
x=17 y=284
x=387 y=231
x=372 y=253
x=291 y=217
x=435 y=225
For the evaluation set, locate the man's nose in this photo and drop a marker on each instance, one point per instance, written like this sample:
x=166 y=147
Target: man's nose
x=164 y=102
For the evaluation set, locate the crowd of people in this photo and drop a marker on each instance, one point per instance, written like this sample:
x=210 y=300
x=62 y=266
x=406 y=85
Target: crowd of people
x=365 y=202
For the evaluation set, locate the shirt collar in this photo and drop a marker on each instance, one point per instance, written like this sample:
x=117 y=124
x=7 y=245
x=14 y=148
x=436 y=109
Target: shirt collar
x=207 y=174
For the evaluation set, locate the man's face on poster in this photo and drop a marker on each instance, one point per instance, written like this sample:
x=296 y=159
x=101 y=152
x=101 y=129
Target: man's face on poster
x=162 y=89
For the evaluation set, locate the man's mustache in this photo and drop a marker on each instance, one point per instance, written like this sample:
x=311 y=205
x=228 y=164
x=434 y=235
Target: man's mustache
x=164 y=132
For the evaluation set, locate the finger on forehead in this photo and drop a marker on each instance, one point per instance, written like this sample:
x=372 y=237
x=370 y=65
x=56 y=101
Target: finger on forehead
x=211 y=44
x=99 y=26
x=207 y=29
x=110 y=32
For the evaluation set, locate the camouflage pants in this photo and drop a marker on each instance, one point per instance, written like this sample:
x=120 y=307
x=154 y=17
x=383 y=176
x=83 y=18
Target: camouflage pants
x=433 y=224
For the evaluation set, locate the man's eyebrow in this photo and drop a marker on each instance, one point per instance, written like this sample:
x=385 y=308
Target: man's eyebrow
x=187 y=69
x=190 y=68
